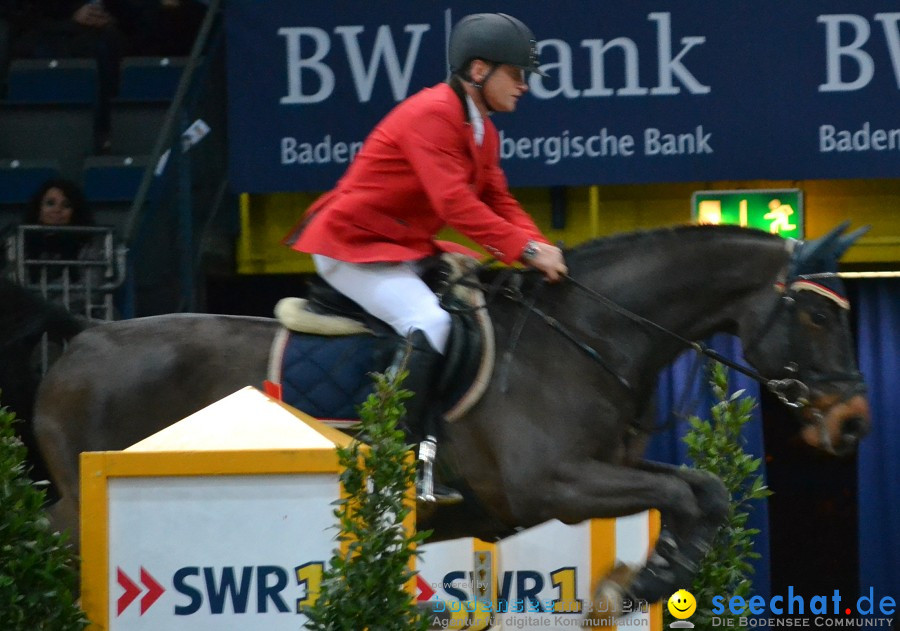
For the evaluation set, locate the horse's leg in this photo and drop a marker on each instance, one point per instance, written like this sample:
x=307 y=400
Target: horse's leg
x=62 y=463
x=61 y=427
x=675 y=558
x=678 y=557
x=577 y=491
x=692 y=505
x=64 y=518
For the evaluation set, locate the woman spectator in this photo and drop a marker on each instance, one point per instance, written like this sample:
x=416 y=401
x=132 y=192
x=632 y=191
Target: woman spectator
x=58 y=202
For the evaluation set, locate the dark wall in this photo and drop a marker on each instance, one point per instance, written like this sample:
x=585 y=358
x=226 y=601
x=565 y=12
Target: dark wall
x=251 y=294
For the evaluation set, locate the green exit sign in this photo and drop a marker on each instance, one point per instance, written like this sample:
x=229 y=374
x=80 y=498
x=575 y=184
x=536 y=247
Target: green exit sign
x=779 y=211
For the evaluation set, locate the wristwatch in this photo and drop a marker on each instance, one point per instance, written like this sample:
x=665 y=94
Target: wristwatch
x=530 y=252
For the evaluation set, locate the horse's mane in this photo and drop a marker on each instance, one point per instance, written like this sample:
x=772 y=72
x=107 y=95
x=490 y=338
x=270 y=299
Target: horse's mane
x=617 y=246
x=656 y=236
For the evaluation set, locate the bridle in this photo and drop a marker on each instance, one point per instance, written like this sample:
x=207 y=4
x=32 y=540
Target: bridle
x=792 y=391
x=787 y=304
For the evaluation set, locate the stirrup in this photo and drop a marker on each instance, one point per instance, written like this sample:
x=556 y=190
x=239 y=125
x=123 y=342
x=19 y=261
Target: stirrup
x=427 y=490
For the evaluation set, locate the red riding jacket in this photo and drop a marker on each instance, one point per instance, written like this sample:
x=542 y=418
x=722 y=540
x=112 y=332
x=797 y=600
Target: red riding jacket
x=418 y=171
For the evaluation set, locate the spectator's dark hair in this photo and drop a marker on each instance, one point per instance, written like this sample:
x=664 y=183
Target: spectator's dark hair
x=81 y=214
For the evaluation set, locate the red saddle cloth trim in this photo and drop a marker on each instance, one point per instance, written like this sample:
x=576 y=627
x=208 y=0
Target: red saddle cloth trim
x=272 y=389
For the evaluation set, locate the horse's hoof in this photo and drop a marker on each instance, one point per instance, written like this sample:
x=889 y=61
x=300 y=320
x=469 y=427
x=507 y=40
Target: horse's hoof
x=608 y=601
x=653 y=583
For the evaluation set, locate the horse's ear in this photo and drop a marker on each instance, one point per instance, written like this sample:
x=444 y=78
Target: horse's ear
x=848 y=240
x=819 y=251
x=822 y=254
x=829 y=241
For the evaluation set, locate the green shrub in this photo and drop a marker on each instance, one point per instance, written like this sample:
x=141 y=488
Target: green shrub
x=717 y=446
x=365 y=585
x=38 y=571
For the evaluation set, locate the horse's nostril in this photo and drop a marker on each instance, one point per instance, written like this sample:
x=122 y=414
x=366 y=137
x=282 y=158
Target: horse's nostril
x=853 y=427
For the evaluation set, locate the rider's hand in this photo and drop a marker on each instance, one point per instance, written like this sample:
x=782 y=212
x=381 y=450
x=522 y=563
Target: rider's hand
x=547 y=259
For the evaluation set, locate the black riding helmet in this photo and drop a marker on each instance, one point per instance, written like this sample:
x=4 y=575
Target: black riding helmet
x=494 y=37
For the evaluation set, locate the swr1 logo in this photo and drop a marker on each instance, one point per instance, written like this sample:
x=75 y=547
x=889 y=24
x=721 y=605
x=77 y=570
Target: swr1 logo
x=523 y=587
x=236 y=586
x=237 y=590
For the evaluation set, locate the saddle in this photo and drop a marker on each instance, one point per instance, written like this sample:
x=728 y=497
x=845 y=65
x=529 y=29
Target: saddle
x=329 y=345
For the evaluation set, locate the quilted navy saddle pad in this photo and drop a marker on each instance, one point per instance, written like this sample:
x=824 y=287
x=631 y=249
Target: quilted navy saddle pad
x=328 y=377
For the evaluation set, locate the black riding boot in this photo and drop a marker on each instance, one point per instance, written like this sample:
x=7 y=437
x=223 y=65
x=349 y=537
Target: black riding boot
x=423 y=366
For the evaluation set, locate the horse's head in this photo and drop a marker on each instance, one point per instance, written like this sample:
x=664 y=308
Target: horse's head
x=802 y=339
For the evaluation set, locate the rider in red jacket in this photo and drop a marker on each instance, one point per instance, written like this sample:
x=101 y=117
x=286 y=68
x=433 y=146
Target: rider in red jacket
x=433 y=161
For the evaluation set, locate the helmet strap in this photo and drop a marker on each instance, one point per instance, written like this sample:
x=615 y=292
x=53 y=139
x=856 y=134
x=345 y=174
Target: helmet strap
x=480 y=85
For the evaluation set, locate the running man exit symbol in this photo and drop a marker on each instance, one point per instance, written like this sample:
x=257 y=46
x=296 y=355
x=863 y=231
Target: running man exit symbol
x=779 y=211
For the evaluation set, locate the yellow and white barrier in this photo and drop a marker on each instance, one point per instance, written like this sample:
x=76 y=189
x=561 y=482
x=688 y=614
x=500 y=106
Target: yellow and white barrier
x=460 y=576
x=540 y=578
x=224 y=522
x=221 y=522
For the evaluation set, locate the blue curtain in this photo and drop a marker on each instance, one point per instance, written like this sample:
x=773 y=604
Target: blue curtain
x=684 y=391
x=877 y=303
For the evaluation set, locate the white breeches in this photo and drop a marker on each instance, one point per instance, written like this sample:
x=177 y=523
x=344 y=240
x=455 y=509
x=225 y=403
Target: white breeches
x=392 y=292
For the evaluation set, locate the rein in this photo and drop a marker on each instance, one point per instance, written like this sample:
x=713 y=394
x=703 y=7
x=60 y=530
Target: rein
x=792 y=392
x=699 y=347
x=515 y=294
x=779 y=387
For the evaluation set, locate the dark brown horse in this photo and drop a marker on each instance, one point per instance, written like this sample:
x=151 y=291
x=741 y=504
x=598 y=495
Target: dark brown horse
x=563 y=439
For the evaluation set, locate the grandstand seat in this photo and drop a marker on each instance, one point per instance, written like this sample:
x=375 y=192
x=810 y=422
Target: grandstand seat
x=136 y=126
x=56 y=81
x=19 y=179
x=112 y=178
x=146 y=89
x=48 y=112
x=47 y=132
x=150 y=79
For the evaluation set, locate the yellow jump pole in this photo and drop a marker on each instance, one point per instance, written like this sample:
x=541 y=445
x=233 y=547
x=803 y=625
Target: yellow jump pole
x=594 y=210
x=245 y=247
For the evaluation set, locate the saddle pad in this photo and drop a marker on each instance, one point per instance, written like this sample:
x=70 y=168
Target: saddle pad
x=325 y=376
x=324 y=370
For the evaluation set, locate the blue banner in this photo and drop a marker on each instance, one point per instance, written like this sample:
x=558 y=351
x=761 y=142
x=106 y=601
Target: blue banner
x=637 y=90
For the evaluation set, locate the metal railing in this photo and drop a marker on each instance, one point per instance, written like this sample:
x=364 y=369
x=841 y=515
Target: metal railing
x=79 y=268
x=85 y=284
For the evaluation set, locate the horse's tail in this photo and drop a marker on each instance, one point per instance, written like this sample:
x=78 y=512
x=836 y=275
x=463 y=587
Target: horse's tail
x=25 y=315
x=62 y=325
x=25 y=318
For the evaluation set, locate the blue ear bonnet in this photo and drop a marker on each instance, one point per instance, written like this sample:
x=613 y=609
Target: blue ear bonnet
x=817 y=260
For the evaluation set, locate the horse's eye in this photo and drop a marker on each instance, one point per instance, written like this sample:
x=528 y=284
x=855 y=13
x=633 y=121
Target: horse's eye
x=819 y=318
